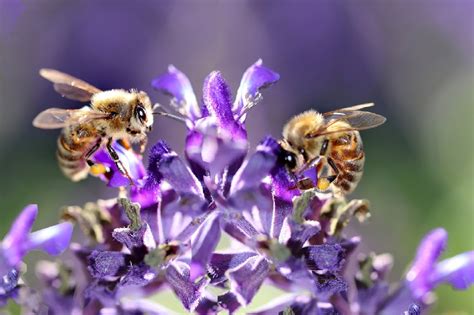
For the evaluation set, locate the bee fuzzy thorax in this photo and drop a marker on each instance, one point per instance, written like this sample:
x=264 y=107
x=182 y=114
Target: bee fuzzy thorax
x=116 y=96
x=300 y=125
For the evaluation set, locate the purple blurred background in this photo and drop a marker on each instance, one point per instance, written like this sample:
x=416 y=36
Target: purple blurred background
x=414 y=59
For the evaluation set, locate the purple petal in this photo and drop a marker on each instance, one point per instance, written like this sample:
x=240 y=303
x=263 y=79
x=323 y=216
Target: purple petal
x=428 y=253
x=258 y=202
x=239 y=228
x=414 y=309
x=329 y=284
x=371 y=297
x=100 y=291
x=246 y=279
x=189 y=230
x=149 y=193
x=135 y=238
x=53 y=240
x=294 y=273
x=214 y=149
x=138 y=275
x=283 y=185
x=216 y=96
x=177 y=85
x=177 y=275
x=20 y=230
x=257 y=167
x=220 y=263
x=130 y=160
x=165 y=164
x=384 y=262
x=284 y=189
x=157 y=154
x=247 y=191
x=300 y=233
x=255 y=78
x=107 y=265
x=204 y=244
x=8 y=283
x=328 y=257
x=229 y=302
x=457 y=271
x=208 y=305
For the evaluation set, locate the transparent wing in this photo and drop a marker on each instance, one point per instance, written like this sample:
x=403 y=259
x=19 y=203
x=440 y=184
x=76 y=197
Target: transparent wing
x=356 y=120
x=69 y=86
x=54 y=118
x=349 y=109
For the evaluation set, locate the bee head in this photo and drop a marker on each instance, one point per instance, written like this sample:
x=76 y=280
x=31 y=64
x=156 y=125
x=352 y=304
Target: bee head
x=142 y=113
x=289 y=157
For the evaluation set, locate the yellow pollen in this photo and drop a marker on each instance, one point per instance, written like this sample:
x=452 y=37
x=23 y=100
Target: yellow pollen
x=98 y=169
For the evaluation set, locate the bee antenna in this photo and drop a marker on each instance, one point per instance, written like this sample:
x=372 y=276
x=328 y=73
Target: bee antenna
x=182 y=119
x=156 y=106
x=163 y=112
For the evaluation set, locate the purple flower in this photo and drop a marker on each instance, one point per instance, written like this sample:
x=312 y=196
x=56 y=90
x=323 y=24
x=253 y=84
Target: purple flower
x=216 y=146
x=249 y=200
x=130 y=160
x=19 y=241
x=216 y=128
x=425 y=274
x=165 y=235
x=143 y=263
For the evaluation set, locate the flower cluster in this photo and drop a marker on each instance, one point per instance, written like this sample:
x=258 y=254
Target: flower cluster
x=166 y=234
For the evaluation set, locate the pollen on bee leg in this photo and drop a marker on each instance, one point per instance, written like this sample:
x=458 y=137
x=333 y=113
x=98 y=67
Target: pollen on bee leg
x=323 y=184
x=98 y=169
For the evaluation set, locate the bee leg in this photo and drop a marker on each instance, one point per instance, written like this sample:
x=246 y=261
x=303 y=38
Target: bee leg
x=118 y=163
x=90 y=152
x=95 y=169
x=333 y=165
x=325 y=181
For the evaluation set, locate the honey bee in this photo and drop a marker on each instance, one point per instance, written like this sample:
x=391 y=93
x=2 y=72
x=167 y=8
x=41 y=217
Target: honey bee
x=112 y=115
x=329 y=144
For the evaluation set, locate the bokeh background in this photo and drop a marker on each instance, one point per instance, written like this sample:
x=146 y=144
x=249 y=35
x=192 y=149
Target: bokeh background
x=414 y=59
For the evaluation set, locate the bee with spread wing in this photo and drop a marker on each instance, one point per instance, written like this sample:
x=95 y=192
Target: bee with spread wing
x=112 y=115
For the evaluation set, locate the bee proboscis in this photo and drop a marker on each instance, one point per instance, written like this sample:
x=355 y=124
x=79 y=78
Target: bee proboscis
x=330 y=144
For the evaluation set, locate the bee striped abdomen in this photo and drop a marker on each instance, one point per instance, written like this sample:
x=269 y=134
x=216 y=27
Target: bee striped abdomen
x=348 y=156
x=71 y=154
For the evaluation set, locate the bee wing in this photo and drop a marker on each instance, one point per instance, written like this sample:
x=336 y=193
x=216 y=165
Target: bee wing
x=69 y=86
x=349 y=109
x=357 y=120
x=54 y=118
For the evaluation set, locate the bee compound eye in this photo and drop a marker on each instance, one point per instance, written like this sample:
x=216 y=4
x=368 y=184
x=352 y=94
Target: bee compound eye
x=140 y=113
x=288 y=159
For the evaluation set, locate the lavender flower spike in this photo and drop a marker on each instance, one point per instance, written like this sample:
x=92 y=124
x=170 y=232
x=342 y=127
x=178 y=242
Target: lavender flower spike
x=19 y=241
x=425 y=274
